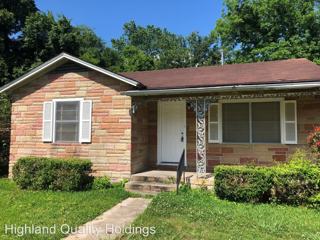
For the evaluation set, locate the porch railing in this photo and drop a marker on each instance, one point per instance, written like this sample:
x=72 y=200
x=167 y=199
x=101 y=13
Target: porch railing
x=181 y=169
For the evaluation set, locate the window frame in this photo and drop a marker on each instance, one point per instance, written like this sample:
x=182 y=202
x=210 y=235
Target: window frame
x=219 y=123
x=284 y=121
x=281 y=101
x=55 y=101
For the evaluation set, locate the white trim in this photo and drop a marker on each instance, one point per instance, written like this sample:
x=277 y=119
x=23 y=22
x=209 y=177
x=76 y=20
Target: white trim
x=159 y=136
x=282 y=117
x=60 y=58
x=231 y=88
x=284 y=122
x=83 y=140
x=44 y=121
x=250 y=123
x=215 y=122
x=54 y=101
x=80 y=120
x=67 y=99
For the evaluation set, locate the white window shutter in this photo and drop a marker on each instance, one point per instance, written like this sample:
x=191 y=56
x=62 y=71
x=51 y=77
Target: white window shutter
x=214 y=123
x=85 y=121
x=289 y=122
x=47 y=122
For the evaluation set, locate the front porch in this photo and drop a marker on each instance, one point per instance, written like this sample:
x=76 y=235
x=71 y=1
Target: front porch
x=203 y=152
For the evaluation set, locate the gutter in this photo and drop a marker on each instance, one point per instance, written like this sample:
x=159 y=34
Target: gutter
x=231 y=88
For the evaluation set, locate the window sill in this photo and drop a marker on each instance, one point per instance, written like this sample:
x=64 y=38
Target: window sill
x=66 y=143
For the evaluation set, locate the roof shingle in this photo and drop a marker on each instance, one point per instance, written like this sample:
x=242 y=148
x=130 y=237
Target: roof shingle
x=281 y=71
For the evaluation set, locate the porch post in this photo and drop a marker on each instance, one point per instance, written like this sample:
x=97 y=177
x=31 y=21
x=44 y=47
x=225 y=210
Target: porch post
x=201 y=155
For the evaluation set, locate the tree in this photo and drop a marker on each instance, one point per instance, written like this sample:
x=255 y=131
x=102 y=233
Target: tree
x=44 y=37
x=162 y=49
x=258 y=30
x=13 y=15
x=203 y=50
x=92 y=49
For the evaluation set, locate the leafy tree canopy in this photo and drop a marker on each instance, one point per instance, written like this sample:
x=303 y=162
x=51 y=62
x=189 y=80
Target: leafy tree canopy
x=162 y=49
x=259 y=30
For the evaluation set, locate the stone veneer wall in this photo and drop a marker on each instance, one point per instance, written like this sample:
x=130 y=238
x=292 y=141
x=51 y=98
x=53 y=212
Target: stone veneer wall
x=144 y=137
x=110 y=149
x=308 y=114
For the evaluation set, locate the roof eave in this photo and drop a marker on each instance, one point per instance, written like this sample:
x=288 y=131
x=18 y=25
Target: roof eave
x=60 y=59
x=231 y=88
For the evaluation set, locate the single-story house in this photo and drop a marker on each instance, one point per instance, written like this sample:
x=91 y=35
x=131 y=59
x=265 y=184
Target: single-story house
x=126 y=123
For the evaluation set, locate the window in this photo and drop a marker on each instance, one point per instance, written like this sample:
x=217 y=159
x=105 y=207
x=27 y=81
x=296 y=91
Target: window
x=266 y=122
x=235 y=122
x=253 y=122
x=67 y=121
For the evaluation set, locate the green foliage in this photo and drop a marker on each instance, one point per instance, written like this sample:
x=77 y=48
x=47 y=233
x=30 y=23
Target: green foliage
x=295 y=182
x=313 y=140
x=314 y=201
x=259 y=30
x=121 y=183
x=184 y=187
x=41 y=173
x=243 y=184
x=199 y=214
x=48 y=208
x=100 y=183
x=13 y=15
x=159 y=48
x=4 y=133
x=291 y=183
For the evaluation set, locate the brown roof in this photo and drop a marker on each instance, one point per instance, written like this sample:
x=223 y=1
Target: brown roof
x=282 y=71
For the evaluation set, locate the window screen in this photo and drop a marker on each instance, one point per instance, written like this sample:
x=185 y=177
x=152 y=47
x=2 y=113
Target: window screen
x=265 y=122
x=67 y=121
x=235 y=122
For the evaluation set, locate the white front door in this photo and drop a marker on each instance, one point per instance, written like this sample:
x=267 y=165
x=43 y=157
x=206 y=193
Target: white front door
x=171 y=131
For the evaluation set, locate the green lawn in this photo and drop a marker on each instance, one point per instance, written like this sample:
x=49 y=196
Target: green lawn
x=48 y=208
x=200 y=215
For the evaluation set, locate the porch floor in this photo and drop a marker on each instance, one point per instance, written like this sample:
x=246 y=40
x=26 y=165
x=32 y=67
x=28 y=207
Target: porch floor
x=159 y=180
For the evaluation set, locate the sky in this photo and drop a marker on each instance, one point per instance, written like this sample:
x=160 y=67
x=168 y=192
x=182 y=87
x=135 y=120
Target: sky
x=107 y=17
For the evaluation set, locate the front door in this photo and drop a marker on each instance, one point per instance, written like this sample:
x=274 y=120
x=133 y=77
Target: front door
x=171 y=131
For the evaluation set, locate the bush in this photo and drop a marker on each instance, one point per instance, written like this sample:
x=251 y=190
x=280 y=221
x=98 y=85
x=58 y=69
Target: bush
x=243 y=184
x=296 y=181
x=314 y=201
x=291 y=183
x=314 y=141
x=4 y=133
x=100 y=183
x=121 y=183
x=41 y=173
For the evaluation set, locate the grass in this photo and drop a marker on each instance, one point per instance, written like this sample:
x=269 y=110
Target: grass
x=42 y=208
x=200 y=215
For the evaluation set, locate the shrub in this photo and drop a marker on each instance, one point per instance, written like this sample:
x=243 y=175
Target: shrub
x=314 y=141
x=4 y=133
x=41 y=173
x=291 y=183
x=121 y=183
x=296 y=181
x=100 y=183
x=243 y=184
x=314 y=201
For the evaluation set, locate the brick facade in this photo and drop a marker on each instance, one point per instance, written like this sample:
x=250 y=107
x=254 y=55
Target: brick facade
x=122 y=143
x=110 y=149
x=308 y=115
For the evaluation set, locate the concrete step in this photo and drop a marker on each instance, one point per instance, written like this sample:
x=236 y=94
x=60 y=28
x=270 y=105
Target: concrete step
x=153 y=179
x=149 y=187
